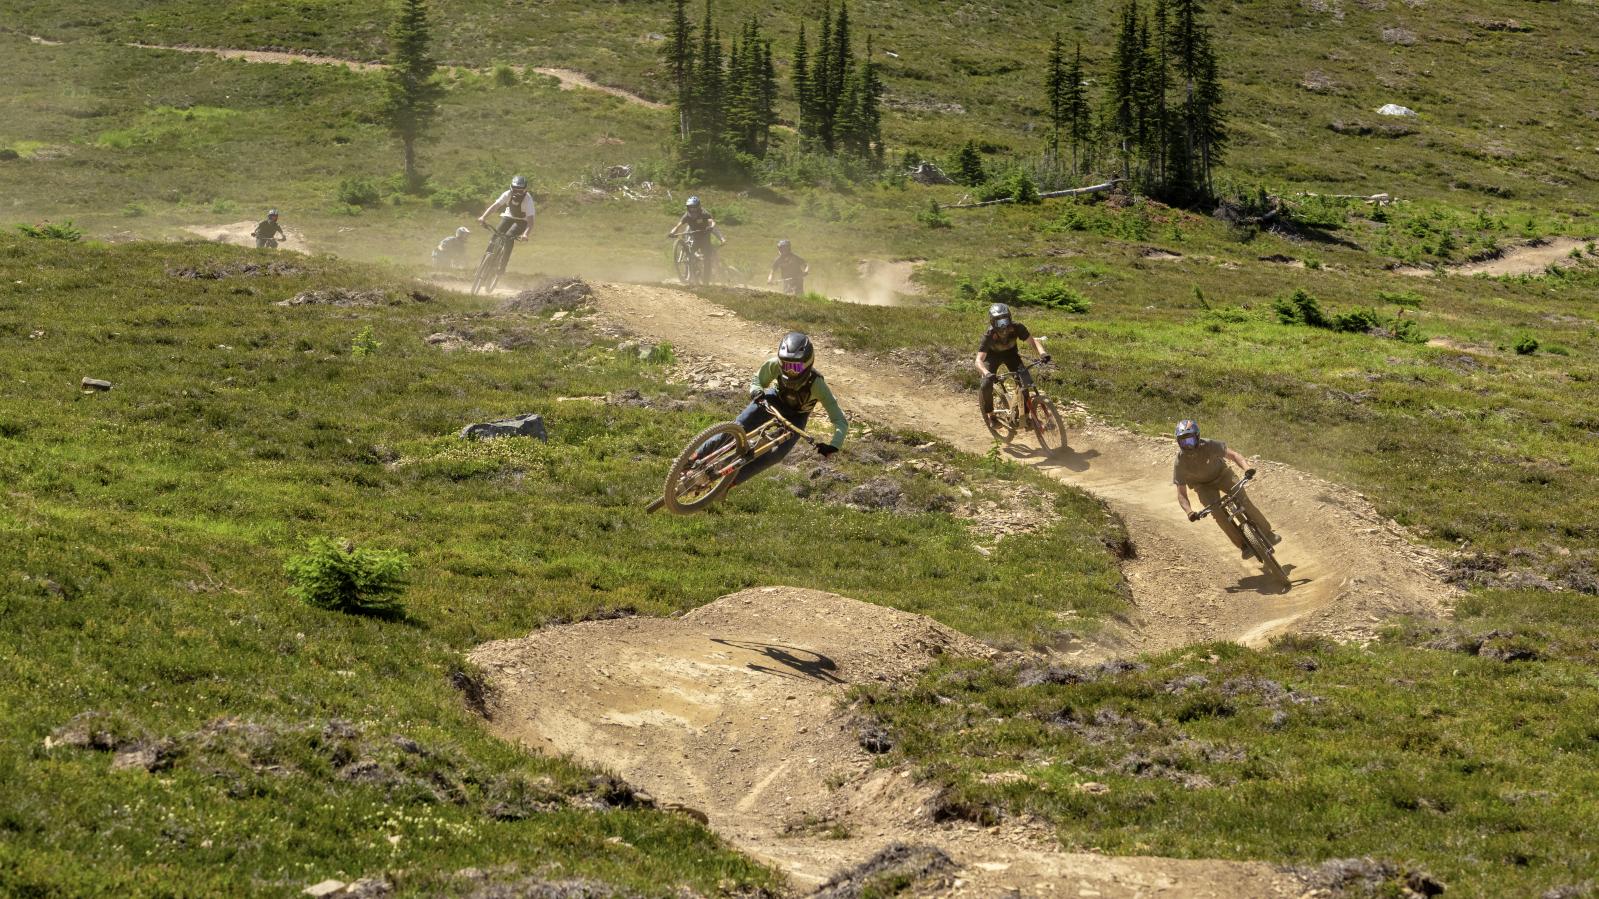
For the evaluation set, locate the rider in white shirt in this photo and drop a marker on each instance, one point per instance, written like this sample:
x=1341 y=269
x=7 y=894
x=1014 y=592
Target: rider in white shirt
x=516 y=210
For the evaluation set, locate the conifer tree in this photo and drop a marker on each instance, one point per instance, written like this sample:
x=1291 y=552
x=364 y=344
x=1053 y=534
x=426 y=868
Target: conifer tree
x=805 y=91
x=1056 y=93
x=1124 y=86
x=413 y=93
x=680 y=58
x=969 y=166
x=1078 y=115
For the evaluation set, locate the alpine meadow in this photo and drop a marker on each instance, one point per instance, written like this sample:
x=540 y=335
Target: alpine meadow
x=665 y=448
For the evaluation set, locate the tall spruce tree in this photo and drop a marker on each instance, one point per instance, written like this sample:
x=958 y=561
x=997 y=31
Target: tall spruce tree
x=1123 y=97
x=1080 y=124
x=1056 y=93
x=679 y=53
x=805 y=91
x=413 y=92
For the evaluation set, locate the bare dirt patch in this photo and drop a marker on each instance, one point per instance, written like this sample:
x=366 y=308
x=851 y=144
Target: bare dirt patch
x=733 y=711
x=1531 y=258
x=571 y=79
x=242 y=234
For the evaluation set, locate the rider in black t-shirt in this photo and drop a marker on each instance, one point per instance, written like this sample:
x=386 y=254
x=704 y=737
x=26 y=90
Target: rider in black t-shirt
x=1001 y=346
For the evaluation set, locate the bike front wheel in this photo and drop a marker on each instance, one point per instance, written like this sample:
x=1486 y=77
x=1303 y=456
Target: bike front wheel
x=1047 y=426
x=488 y=271
x=1265 y=555
x=682 y=261
x=705 y=469
x=1002 y=421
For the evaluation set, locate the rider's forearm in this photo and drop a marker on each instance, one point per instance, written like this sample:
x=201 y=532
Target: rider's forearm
x=764 y=375
x=1182 y=498
x=834 y=413
x=1038 y=347
x=1236 y=459
x=982 y=364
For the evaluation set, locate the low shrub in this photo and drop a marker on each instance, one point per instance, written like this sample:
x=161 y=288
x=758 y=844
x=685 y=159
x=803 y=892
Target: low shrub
x=347 y=578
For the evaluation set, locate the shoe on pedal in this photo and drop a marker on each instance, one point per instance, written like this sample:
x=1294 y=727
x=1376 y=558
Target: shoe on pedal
x=1246 y=553
x=1276 y=539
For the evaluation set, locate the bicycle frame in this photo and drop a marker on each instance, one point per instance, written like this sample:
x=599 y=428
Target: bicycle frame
x=1228 y=502
x=1028 y=391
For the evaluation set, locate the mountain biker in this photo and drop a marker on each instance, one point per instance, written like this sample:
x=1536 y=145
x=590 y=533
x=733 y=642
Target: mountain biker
x=790 y=382
x=999 y=347
x=1202 y=465
x=451 y=251
x=699 y=226
x=269 y=229
x=516 y=210
x=789 y=267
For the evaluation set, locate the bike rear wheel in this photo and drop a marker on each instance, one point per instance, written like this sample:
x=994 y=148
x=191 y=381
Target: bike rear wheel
x=1051 y=432
x=1264 y=555
x=705 y=469
x=1002 y=421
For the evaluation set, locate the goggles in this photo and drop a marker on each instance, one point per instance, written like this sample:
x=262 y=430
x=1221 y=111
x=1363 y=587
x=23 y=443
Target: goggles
x=1188 y=441
x=795 y=368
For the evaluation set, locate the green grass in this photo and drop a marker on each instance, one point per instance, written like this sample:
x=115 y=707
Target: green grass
x=1499 y=109
x=1478 y=770
x=146 y=530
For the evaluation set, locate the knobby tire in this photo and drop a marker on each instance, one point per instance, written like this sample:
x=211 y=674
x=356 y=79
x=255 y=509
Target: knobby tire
x=685 y=465
x=1047 y=425
x=487 y=270
x=1263 y=554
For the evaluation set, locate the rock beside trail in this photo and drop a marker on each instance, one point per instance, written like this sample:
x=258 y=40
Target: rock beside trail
x=895 y=867
x=344 y=296
x=530 y=425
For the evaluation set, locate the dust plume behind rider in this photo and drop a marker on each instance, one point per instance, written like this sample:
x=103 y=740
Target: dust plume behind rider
x=516 y=210
x=790 y=382
x=1002 y=346
x=1202 y=465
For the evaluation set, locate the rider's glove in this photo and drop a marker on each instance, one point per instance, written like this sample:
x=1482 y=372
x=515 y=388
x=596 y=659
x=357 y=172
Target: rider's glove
x=1249 y=472
x=1044 y=358
x=1193 y=516
x=825 y=449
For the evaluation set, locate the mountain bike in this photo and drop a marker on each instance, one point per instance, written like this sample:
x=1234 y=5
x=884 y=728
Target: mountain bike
x=1017 y=406
x=1227 y=504
x=496 y=256
x=708 y=466
x=690 y=259
x=266 y=243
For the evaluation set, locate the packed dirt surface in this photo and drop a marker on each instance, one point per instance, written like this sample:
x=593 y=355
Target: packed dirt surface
x=1531 y=258
x=1351 y=569
x=571 y=79
x=242 y=234
x=733 y=713
x=881 y=283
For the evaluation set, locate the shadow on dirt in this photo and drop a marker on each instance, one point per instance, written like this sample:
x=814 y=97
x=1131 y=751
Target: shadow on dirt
x=816 y=667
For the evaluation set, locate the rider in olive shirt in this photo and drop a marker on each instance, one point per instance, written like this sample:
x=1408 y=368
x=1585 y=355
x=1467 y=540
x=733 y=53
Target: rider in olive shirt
x=793 y=386
x=1202 y=465
x=268 y=230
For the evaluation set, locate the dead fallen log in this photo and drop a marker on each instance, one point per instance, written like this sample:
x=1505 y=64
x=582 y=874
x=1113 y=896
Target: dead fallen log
x=1048 y=195
x=1379 y=199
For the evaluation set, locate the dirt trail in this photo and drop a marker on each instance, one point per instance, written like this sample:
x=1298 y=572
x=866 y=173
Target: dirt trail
x=1527 y=259
x=1351 y=568
x=733 y=711
x=569 y=78
x=243 y=234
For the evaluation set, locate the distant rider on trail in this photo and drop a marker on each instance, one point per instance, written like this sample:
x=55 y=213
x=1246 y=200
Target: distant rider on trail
x=790 y=382
x=697 y=223
x=451 y=251
x=789 y=267
x=267 y=233
x=516 y=211
x=1000 y=347
x=1202 y=465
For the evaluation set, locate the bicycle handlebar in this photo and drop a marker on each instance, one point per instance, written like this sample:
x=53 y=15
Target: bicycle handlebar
x=1011 y=374
x=1226 y=497
x=778 y=417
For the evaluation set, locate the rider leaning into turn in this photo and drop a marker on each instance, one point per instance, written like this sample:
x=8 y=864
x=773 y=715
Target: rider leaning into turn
x=698 y=224
x=516 y=210
x=268 y=230
x=1202 y=465
x=1000 y=346
x=790 y=382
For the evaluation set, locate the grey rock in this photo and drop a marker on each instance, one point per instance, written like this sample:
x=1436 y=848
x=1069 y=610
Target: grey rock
x=531 y=425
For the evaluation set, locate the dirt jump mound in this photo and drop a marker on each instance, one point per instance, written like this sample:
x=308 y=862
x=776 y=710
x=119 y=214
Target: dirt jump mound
x=734 y=712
